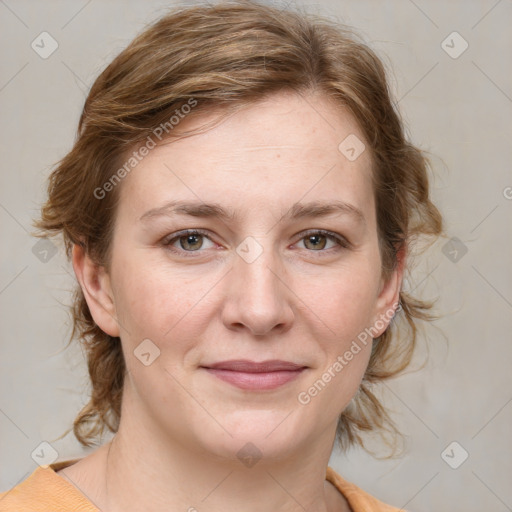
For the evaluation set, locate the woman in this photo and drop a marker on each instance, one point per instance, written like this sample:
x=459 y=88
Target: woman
x=238 y=207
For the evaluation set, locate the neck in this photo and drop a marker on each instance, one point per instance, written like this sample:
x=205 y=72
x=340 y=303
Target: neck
x=146 y=470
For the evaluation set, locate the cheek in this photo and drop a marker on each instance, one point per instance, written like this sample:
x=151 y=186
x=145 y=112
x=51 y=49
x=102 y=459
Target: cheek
x=143 y=306
x=343 y=301
x=155 y=302
x=346 y=349
x=343 y=306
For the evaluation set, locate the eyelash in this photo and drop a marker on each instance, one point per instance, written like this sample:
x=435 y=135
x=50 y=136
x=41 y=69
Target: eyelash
x=167 y=242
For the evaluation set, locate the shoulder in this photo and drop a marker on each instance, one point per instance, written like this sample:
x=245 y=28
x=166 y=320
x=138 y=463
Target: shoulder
x=359 y=500
x=45 y=491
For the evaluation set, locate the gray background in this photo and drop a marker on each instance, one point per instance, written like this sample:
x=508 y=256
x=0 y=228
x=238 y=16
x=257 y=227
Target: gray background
x=459 y=109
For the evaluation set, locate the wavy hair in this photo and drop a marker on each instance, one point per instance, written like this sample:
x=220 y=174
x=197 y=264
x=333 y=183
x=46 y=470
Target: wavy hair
x=225 y=57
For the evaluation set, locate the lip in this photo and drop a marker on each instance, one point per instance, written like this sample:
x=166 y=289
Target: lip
x=251 y=375
x=244 y=365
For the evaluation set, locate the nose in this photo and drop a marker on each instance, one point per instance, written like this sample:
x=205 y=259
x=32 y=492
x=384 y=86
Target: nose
x=258 y=296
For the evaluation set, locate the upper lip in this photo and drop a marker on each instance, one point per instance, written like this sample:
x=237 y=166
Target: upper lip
x=243 y=365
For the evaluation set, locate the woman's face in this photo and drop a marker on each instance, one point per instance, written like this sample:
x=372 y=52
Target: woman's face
x=263 y=284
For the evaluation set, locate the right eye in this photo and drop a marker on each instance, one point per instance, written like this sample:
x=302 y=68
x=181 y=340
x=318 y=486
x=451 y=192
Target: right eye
x=190 y=240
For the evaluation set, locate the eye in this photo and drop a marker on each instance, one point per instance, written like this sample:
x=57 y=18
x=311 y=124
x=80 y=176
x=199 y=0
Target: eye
x=316 y=240
x=190 y=240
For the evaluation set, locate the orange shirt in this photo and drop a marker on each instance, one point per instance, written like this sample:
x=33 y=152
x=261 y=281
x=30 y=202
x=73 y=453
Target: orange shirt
x=46 y=491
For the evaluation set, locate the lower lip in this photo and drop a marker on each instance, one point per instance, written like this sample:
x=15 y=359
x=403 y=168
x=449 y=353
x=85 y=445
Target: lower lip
x=256 y=381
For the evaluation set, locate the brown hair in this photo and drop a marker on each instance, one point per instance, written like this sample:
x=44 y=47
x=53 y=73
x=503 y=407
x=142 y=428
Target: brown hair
x=225 y=57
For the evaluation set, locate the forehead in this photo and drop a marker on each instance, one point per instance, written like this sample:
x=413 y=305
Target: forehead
x=279 y=150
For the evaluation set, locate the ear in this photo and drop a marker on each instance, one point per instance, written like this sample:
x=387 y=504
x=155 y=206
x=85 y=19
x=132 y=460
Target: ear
x=96 y=287
x=388 y=300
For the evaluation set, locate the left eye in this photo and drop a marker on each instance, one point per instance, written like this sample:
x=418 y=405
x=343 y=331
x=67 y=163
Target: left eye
x=318 y=240
x=192 y=241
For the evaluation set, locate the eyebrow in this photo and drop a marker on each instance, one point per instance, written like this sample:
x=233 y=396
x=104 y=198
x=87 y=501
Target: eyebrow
x=215 y=210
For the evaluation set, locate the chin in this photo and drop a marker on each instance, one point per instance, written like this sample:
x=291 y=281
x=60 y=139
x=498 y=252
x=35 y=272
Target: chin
x=257 y=434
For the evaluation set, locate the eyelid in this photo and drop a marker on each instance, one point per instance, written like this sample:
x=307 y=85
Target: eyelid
x=342 y=242
x=169 y=239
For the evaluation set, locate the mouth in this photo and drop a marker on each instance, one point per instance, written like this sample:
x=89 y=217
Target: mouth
x=251 y=375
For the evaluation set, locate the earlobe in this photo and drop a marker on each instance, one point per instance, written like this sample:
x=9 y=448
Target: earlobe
x=96 y=287
x=389 y=295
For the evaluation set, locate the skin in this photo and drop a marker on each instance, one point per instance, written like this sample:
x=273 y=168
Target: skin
x=181 y=427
